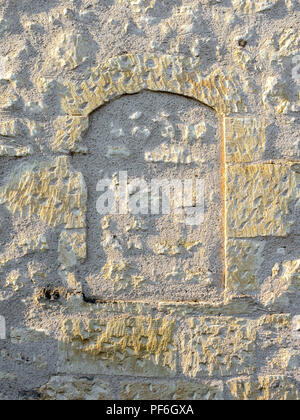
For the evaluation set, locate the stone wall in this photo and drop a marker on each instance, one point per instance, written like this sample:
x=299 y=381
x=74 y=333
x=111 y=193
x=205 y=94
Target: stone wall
x=135 y=306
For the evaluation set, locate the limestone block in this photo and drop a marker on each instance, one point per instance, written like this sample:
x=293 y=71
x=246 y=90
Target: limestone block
x=243 y=261
x=275 y=94
x=51 y=190
x=217 y=346
x=245 y=139
x=70 y=281
x=175 y=390
x=251 y=6
x=296 y=325
x=68 y=388
x=71 y=248
x=139 y=346
x=280 y=90
x=140 y=6
x=266 y=387
x=274 y=332
x=71 y=50
x=286 y=360
x=15 y=151
x=69 y=134
x=10 y=128
x=284 y=287
x=132 y=73
x=259 y=198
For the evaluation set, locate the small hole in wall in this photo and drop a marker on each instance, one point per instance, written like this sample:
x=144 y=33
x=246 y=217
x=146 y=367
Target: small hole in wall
x=242 y=43
x=51 y=294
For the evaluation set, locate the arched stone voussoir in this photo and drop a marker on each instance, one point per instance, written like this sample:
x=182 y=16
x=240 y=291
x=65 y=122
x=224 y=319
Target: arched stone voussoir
x=132 y=73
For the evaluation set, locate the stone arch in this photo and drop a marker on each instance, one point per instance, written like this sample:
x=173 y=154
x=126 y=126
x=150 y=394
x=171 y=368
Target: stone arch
x=133 y=73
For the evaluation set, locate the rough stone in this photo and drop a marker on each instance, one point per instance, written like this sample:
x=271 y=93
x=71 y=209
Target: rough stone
x=130 y=74
x=145 y=306
x=140 y=346
x=177 y=390
x=71 y=248
x=218 y=346
x=245 y=140
x=51 y=190
x=69 y=134
x=250 y=206
x=265 y=388
x=280 y=291
x=68 y=388
x=244 y=259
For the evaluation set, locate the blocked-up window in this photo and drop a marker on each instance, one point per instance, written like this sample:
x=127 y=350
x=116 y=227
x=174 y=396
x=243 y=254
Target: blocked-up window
x=164 y=238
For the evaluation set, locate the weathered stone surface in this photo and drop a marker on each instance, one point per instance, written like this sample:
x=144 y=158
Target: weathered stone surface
x=274 y=332
x=296 y=325
x=265 y=388
x=281 y=88
x=130 y=74
x=286 y=360
x=144 y=313
x=245 y=139
x=12 y=132
x=175 y=390
x=15 y=151
x=69 y=134
x=10 y=128
x=9 y=97
x=218 y=346
x=259 y=198
x=71 y=248
x=51 y=190
x=243 y=261
x=68 y=388
x=26 y=335
x=71 y=49
x=250 y=6
x=22 y=246
x=283 y=289
x=140 y=346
